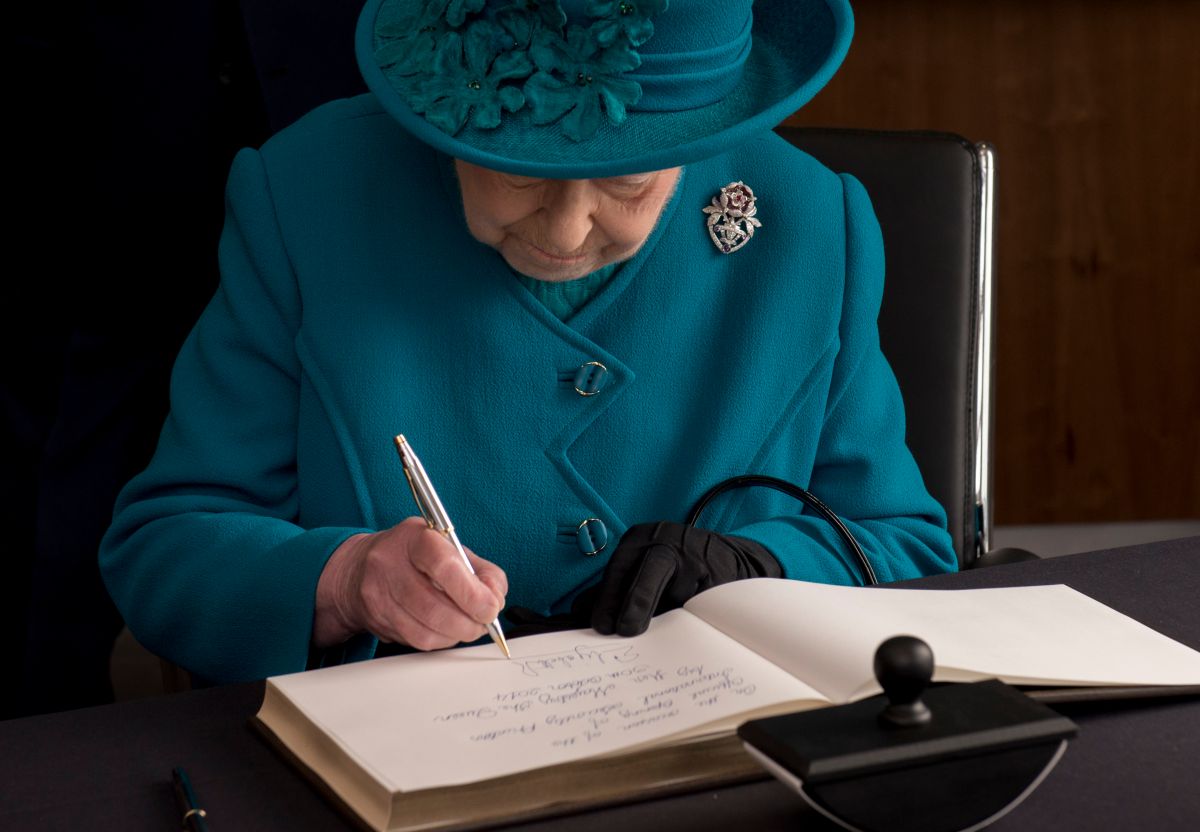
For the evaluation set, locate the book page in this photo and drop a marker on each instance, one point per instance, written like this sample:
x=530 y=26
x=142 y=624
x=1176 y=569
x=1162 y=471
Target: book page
x=1043 y=635
x=457 y=716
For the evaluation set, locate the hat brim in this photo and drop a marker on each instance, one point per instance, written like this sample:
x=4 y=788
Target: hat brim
x=797 y=47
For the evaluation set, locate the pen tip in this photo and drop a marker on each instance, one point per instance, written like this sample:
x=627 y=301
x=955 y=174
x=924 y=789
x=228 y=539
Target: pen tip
x=400 y=440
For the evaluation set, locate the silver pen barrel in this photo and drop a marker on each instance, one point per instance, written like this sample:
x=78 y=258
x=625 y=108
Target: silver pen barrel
x=438 y=519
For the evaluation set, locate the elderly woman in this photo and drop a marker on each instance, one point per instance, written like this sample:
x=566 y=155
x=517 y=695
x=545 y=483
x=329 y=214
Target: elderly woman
x=558 y=246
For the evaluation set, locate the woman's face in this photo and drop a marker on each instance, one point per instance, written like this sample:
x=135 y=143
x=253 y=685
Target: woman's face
x=562 y=229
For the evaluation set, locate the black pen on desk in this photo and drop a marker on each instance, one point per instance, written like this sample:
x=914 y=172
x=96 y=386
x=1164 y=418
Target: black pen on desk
x=435 y=515
x=185 y=797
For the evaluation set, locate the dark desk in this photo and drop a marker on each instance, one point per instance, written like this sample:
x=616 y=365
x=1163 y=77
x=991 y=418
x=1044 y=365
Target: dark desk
x=1133 y=767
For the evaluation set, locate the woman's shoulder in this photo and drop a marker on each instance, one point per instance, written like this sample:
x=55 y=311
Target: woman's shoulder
x=802 y=205
x=770 y=158
x=344 y=130
x=794 y=186
x=339 y=164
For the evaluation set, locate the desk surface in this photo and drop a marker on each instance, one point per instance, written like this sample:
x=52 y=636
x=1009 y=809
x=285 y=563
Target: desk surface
x=1132 y=767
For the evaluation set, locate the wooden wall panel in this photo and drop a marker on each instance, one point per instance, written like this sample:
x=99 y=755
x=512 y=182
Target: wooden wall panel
x=1094 y=107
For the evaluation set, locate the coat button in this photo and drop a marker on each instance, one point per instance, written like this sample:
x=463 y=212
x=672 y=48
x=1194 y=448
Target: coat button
x=590 y=378
x=592 y=536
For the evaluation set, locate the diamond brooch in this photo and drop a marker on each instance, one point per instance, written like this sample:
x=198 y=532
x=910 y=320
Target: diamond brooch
x=731 y=217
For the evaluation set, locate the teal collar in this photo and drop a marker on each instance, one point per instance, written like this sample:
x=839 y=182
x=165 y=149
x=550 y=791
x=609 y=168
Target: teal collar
x=566 y=297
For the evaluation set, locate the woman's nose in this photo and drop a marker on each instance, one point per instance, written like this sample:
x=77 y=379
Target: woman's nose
x=568 y=216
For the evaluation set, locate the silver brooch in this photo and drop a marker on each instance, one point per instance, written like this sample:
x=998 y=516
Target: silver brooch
x=731 y=217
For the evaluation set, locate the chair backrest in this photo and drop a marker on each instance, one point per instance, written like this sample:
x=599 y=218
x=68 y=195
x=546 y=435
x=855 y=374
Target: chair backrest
x=933 y=195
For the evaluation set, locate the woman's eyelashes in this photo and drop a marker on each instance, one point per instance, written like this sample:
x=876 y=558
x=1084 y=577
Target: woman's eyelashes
x=626 y=184
x=520 y=183
x=623 y=185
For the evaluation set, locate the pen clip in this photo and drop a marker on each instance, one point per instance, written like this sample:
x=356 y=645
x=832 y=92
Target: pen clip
x=418 y=493
x=422 y=489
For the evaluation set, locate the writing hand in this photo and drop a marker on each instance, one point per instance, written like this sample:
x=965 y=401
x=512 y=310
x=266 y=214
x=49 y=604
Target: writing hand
x=406 y=584
x=658 y=566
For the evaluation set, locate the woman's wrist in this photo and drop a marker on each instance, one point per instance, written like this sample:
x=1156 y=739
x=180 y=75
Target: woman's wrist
x=334 y=620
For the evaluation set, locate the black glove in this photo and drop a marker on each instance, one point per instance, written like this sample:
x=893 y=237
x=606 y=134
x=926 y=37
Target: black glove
x=658 y=566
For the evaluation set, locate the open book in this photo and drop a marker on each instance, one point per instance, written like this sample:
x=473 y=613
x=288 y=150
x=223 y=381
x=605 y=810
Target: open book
x=459 y=737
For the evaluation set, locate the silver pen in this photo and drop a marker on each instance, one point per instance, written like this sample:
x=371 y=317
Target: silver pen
x=435 y=515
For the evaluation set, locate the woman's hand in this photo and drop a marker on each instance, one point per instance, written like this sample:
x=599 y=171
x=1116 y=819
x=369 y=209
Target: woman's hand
x=658 y=566
x=406 y=584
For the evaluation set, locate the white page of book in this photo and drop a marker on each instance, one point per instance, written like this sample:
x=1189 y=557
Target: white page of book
x=457 y=716
x=1044 y=635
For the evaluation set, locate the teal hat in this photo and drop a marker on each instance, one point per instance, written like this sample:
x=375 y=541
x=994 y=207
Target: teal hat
x=575 y=89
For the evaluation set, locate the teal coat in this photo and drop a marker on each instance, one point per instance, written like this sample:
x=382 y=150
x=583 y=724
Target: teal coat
x=354 y=305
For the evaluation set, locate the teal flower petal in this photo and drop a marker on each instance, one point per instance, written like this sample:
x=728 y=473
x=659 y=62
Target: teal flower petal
x=639 y=31
x=392 y=51
x=631 y=18
x=618 y=60
x=486 y=115
x=482 y=42
x=511 y=98
x=581 y=105
x=408 y=56
x=399 y=19
x=448 y=59
x=448 y=114
x=549 y=99
x=510 y=66
x=467 y=79
x=548 y=51
x=616 y=94
x=525 y=18
x=607 y=31
x=457 y=11
x=406 y=39
x=583 y=121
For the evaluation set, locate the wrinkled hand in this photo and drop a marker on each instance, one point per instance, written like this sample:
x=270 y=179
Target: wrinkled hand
x=406 y=584
x=658 y=566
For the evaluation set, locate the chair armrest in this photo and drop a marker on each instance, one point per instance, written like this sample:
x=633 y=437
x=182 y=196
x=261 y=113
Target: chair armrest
x=1003 y=555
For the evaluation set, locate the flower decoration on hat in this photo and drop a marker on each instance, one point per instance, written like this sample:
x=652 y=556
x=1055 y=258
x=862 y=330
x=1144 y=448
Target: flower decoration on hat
x=406 y=43
x=469 y=80
x=523 y=20
x=457 y=10
x=634 y=19
x=461 y=61
x=579 y=81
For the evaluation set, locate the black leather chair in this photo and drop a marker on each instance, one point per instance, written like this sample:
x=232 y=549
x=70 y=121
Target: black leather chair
x=934 y=195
